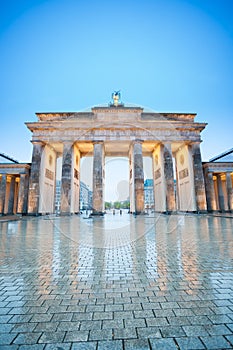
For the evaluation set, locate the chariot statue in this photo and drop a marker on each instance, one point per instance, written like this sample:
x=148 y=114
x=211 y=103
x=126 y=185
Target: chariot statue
x=116 y=96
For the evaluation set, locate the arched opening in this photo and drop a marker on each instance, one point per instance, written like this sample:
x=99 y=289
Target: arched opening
x=86 y=183
x=116 y=183
x=148 y=184
x=57 y=204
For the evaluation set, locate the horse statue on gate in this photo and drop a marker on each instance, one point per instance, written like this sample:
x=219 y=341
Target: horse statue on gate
x=116 y=96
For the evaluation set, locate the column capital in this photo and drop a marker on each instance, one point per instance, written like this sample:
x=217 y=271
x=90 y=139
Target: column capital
x=68 y=143
x=38 y=142
x=156 y=146
x=137 y=141
x=195 y=145
x=195 y=142
x=98 y=141
x=167 y=146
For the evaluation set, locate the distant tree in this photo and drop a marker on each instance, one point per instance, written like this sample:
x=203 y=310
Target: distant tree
x=108 y=205
x=125 y=205
x=117 y=205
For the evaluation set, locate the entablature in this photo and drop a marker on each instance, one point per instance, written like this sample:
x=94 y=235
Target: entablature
x=14 y=169
x=113 y=134
x=218 y=167
x=57 y=126
x=169 y=116
x=55 y=116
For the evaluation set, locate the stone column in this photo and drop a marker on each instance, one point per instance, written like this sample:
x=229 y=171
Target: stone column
x=199 y=184
x=229 y=191
x=16 y=195
x=159 y=179
x=66 y=178
x=23 y=193
x=177 y=192
x=2 y=193
x=34 y=181
x=10 y=208
x=220 y=193
x=131 y=181
x=210 y=193
x=98 y=179
x=169 y=178
x=138 y=177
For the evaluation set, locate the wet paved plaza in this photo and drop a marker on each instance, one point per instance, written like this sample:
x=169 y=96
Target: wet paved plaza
x=118 y=282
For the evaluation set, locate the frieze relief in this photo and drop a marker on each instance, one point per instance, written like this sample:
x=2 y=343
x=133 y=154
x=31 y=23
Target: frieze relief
x=49 y=174
x=113 y=134
x=76 y=174
x=118 y=110
x=43 y=117
x=157 y=174
x=183 y=173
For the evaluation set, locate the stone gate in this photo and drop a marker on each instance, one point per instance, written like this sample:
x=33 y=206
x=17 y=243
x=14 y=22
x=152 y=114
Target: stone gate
x=172 y=140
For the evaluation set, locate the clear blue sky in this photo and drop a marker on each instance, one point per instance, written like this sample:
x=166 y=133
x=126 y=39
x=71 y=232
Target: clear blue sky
x=67 y=55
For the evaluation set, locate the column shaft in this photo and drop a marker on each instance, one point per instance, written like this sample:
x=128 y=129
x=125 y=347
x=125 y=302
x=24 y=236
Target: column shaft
x=2 y=193
x=229 y=191
x=131 y=181
x=23 y=193
x=16 y=196
x=220 y=193
x=210 y=193
x=34 y=182
x=169 y=178
x=159 y=179
x=138 y=178
x=199 y=179
x=10 y=209
x=66 y=178
x=98 y=179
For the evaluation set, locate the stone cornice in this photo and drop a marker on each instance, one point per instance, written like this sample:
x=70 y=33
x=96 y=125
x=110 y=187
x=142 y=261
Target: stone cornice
x=14 y=169
x=169 y=116
x=51 y=116
x=115 y=123
x=14 y=165
x=218 y=167
x=145 y=124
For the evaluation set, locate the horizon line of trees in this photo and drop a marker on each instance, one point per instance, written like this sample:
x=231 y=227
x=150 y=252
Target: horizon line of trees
x=117 y=205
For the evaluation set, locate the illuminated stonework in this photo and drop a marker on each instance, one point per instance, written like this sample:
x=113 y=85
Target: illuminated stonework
x=172 y=140
x=118 y=130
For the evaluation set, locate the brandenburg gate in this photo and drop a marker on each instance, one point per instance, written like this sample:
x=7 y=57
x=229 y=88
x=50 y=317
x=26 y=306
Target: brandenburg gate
x=172 y=140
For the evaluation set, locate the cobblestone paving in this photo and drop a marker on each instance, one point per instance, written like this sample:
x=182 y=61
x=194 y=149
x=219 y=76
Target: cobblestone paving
x=118 y=282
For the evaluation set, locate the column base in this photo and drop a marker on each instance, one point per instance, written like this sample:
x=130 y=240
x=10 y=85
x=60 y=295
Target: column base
x=220 y=211
x=97 y=213
x=168 y=212
x=34 y=214
x=65 y=214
